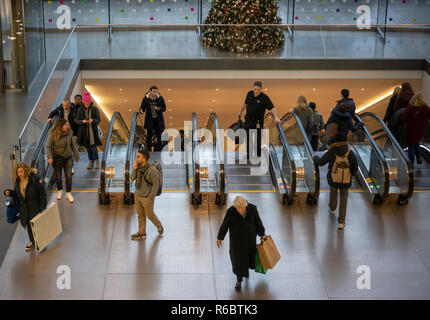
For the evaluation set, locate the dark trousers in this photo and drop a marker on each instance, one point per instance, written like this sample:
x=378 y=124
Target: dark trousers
x=251 y=126
x=314 y=142
x=93 y=153
x=343 y=202
x=414 y=149
x=30 y=232
x=67 y=165
x=155 y=130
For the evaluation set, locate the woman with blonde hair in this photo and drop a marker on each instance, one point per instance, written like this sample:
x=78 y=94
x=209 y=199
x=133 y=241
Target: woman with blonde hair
x=31 y=193
x=244 y=223
x=416 y=115
x=304 y=113
x=60 y=149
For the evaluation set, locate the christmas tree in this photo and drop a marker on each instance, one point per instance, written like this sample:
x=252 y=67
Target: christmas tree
x=243 y=39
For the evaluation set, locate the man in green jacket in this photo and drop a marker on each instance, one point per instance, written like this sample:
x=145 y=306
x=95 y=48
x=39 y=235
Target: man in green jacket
x=147 y=184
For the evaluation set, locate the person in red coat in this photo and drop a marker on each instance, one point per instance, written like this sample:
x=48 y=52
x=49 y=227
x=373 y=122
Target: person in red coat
x=405 y=95
x=416 y=115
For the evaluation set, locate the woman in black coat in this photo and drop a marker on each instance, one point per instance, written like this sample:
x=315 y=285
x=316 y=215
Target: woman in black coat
x=31 y=193
x=244 y=223
x=88 y=118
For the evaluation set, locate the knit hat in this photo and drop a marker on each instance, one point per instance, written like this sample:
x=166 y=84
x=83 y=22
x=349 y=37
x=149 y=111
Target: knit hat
x=86 y=97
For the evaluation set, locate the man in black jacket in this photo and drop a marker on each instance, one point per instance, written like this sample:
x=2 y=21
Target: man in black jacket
x=67 y=111
x=154 y=105
x=342 y=165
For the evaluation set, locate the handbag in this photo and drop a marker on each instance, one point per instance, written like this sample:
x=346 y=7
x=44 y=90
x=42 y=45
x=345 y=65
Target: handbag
x=268 y=253
x=236 y=126
x=99 y=130
x=12 y=210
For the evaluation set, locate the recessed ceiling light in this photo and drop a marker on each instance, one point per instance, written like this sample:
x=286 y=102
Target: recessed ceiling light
x=362 y=89
x=170 y=100
x=129 y=110
x=265 y=89
x=120 y=89
x=171 y=123
x=314 y=89
x=170 y=117
x=170 y=110
x=125 y=100
x=169 y=89
x=210 y=110
x=213 y=100
x=217 y=89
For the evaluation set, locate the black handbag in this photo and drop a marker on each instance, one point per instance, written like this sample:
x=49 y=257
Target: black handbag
x=236 y=126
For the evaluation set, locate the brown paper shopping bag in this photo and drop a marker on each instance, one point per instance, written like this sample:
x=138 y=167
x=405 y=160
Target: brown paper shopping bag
x=268 y=252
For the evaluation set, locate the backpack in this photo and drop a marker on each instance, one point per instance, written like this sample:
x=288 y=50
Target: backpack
x=340 y=172
x=157 y=166
x=313 y=126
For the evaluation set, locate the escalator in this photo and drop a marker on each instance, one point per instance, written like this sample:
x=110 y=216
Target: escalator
x=391 y=166
x=113 y=160
x=292 y=168
x=205 y=164
x=422 y=171
x=174 y=171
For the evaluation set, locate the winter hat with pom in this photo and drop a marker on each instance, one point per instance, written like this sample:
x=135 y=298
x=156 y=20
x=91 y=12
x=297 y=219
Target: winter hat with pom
x=86 y=97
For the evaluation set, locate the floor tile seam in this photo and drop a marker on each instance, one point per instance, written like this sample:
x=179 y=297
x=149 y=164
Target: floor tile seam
x=110 y=252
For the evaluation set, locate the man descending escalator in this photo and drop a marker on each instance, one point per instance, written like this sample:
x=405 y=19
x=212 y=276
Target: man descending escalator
x=154 y=106
x=342 y=165
x=256 y=104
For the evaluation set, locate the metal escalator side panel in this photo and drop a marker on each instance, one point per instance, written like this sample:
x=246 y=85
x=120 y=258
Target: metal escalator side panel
x=378 y=166
x=195 y=163
x=118 y=132
x=275 y=172
x=130 y=146
x=400 y=169
x=311 y=173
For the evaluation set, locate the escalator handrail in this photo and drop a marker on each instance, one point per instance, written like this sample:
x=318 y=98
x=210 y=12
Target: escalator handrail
x=393 y=140
x=128 y=156
x=290 y=156
x=106 y=153
x=195 y=155
x=42 y=143
x=218 y=145
x=308 y=146
x=379 y=154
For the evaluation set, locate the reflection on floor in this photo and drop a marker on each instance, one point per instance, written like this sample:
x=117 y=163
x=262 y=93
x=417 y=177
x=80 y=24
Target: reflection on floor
x=318 y=262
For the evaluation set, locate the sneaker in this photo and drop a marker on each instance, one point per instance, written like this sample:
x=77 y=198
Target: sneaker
x=341 y=226
x=29 y=246
x=59 y=194
x=90 y=165
x=69 y=197
x=97 y=165
x=160 y=230
x=138 y=236
x=332 y=212
x=238 y=286
x=73 y=171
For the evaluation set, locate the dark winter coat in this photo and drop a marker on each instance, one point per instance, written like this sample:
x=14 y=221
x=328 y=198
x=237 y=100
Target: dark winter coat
x=83 y=131
x=349 y=103
x=243 y=233
x=398 y=128
x=417 y=119
x=402 y=100
x=340 y=149
x=146 y=106
x=390 y=109
x=59 y=112
x=344 y=123
x=35 y=198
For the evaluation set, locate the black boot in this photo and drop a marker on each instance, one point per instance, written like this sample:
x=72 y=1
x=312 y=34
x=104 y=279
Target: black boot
x=238 y=286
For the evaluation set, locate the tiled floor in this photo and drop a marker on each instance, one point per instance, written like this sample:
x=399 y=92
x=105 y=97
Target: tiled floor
x=318 y=262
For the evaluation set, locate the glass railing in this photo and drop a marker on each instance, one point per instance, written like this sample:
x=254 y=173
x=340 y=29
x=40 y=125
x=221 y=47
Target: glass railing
x=114 y=159
x=51 y=96
x=307 y=172
x=400 y=172
x=282 y=159
x=193 y=165
x=218 y=164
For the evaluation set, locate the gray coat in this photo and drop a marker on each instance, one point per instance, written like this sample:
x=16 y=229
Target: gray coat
x=64 y=147
x=305 y=116
x=144 y=189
